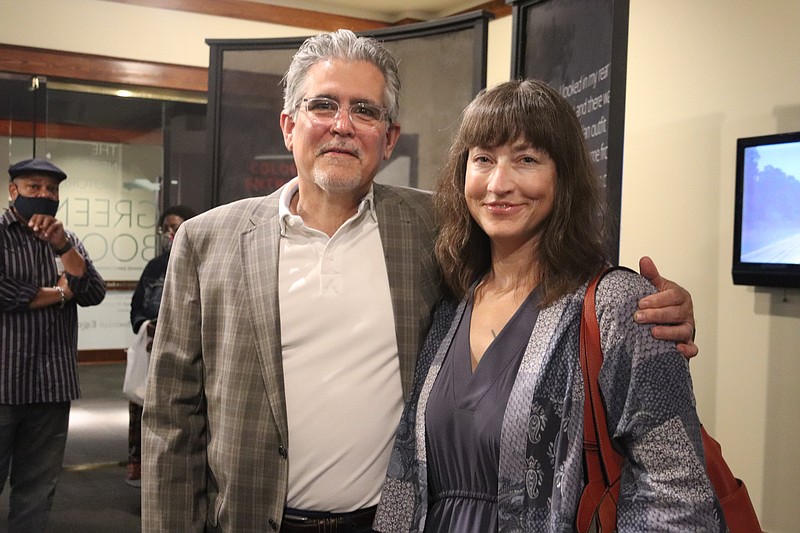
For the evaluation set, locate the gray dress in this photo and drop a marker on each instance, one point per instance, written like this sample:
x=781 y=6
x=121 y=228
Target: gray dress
x=463 y=421
x=650 y=408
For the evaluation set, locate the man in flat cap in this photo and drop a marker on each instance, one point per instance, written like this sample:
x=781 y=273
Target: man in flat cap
x=45 y=273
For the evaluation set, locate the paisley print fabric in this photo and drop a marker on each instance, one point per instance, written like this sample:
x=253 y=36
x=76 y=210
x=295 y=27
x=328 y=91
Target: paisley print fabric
x=651 y=418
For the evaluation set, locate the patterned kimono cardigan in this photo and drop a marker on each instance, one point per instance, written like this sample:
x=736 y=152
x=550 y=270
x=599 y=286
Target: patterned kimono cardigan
x=651 y=418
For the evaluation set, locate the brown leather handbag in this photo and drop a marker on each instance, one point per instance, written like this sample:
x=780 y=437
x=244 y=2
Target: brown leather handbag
x=603 y=464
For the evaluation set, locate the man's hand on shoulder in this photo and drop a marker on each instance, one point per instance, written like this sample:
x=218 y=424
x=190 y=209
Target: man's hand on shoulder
x=670 y=309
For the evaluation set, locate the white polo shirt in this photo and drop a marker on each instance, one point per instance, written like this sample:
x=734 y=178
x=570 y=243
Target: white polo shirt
x=341 y=369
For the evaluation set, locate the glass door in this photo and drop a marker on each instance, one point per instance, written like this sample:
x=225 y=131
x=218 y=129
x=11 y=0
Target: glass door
x=128 y=154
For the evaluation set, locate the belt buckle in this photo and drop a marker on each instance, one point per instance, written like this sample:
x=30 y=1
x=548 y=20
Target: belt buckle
x=328 y=524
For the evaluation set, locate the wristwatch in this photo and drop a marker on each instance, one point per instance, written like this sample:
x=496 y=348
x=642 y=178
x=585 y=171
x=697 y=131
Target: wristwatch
x=66 y=248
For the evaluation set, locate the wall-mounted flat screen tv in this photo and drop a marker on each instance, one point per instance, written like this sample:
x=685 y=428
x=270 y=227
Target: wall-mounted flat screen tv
x=766 y=240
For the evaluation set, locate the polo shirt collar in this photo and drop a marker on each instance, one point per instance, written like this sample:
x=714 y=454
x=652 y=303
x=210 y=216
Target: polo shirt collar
x=367 y=204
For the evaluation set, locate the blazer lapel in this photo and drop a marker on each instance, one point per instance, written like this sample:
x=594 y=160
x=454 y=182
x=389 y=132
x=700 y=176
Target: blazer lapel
x=399 y=239
x=259 y=248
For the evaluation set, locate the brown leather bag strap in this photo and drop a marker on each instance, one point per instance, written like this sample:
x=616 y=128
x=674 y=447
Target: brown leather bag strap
x=603 y=463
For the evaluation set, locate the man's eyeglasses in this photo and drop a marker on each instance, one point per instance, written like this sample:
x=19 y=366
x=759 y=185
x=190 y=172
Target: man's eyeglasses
x=324 y=110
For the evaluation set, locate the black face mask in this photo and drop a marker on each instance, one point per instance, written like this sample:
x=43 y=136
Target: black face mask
x=28 y=206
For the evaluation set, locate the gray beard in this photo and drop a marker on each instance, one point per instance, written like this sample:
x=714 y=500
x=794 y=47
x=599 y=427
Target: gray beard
x=331 y=184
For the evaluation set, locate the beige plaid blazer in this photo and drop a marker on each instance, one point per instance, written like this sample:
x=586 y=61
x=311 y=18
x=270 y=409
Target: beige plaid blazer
x=214 y=426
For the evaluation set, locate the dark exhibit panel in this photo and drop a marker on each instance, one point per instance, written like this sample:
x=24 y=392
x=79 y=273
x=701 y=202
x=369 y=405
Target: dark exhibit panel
x=580 y=48
x=442 y=66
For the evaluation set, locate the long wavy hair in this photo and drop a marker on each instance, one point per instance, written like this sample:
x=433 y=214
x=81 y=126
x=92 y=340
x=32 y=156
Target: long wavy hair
x=572 y=246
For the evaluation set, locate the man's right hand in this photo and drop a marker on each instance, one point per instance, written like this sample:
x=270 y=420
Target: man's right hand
x=670 y=310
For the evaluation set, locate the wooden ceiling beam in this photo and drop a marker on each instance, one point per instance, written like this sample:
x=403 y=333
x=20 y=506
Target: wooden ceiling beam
x=259 y=12
x=292 y=16
x=87 y=67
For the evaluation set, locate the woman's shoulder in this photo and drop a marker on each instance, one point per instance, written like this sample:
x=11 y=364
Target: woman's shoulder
x=617 y=299
x=443 y=314
x=622 y=284
x=444 y=311
x=157 y=266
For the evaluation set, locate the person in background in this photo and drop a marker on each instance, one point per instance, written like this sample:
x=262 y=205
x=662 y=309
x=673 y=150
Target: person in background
x=290 y=323
x=145 y=303
x=45 y=274
x=492 y=439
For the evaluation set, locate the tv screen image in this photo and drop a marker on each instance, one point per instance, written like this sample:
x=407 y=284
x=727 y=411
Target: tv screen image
x=766 y=247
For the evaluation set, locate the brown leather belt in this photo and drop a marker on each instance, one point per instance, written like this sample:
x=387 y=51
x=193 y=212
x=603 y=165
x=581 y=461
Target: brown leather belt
x=295 y=521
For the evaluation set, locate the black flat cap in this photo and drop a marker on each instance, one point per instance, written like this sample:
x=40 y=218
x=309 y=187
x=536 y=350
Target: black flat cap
x=36 y=166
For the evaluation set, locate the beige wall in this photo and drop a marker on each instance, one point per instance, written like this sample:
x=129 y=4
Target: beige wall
x=700 y=74
x=127 y=31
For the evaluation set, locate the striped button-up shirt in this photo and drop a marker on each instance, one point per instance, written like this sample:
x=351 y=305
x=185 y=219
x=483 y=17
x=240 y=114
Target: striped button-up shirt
x=39 y=347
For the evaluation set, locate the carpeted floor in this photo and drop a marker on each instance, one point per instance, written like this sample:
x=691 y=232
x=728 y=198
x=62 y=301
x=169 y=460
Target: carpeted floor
x=92 y=496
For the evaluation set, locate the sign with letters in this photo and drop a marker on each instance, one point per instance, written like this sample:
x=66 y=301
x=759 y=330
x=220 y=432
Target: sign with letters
x=579 y=47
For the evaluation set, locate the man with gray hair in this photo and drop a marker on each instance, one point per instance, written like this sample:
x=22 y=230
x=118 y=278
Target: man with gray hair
x=290 y=324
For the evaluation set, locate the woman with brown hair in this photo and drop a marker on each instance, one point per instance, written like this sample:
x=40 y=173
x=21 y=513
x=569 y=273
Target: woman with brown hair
x=492 y=438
